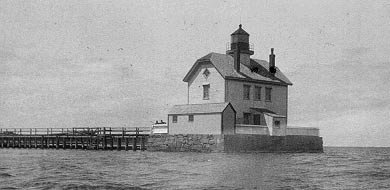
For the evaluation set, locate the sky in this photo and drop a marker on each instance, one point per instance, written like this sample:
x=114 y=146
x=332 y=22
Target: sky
x=121 y=63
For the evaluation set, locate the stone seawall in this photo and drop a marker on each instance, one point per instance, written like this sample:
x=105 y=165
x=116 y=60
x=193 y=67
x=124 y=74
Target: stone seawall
x=234 y=143
x=185 y=143
x=265 y=143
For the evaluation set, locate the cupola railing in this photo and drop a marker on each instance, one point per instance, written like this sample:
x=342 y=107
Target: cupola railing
x=228 y=46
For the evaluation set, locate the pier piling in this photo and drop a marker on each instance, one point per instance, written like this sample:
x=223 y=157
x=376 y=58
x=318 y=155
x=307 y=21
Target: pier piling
x=127 y=144
x=75 y=138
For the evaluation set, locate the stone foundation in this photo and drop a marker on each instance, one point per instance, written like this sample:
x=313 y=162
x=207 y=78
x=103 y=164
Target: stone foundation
x=234 y=143
x=265 y=143
x=185 y=143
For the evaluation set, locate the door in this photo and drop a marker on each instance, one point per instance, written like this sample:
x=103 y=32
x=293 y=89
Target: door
x=256 y=119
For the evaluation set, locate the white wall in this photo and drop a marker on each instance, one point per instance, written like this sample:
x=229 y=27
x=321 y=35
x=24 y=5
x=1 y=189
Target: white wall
x=202 y=124
x=281 y=131
x=269 y=122
x=271 y=127
x=217 y=86
x=252 y=129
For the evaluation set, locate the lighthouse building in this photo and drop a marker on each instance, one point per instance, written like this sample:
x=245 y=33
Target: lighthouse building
x=233 y=93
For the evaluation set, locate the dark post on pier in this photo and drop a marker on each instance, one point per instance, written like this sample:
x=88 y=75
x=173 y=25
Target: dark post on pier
x=105 y=138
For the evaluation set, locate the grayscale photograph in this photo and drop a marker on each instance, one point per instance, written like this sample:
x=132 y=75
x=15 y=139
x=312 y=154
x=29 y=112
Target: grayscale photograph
x=221 y=95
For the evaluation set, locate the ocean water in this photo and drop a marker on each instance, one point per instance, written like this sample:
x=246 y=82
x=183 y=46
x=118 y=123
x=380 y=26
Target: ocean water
x=336 y=168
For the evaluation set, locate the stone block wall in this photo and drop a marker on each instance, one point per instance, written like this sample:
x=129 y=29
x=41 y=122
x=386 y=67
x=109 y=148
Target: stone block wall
x=233 y=143
x=266 y=143
x=248 y=142
x=185 y=143
x=302 y=143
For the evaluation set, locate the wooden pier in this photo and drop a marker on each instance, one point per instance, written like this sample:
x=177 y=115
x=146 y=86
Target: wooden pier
x=105 y=138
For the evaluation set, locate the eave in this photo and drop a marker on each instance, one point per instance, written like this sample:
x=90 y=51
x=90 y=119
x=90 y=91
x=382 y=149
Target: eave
x=258 y=81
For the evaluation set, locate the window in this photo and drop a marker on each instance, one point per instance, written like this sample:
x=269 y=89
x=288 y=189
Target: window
x=256 y=119
x=268 y=94
x=206 y=89
x=190 y=118
x=277 y=124
x=257 y=93
x=206 y=73
x=247 y=92
x=174 y=118
x=246 y=118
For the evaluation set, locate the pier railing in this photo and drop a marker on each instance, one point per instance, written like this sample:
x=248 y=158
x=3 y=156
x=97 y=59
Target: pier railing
x=75 y=138
x=77 y=131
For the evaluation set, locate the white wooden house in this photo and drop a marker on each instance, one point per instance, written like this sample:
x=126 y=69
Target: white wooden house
x=213 y=118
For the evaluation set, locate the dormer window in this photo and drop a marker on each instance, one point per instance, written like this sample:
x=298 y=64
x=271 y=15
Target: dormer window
x=206 y=73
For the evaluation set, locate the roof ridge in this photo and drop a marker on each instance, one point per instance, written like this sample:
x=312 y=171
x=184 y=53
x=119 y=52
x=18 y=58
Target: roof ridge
x=207 y=56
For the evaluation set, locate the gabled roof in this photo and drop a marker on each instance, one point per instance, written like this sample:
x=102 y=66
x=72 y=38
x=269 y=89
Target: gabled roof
x=199 y=108
x=258 y=70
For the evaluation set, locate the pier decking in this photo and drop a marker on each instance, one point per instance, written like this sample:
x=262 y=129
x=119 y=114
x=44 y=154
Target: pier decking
x=105 y=138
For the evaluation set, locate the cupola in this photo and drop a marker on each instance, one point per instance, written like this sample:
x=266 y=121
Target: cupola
x=240 y=48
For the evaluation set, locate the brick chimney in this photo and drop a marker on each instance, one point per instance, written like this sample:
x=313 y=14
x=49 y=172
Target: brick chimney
x=272 y=68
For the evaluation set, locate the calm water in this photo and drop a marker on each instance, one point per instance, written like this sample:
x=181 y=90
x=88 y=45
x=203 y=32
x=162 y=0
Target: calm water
x=337 y=168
